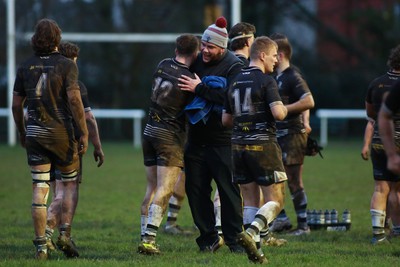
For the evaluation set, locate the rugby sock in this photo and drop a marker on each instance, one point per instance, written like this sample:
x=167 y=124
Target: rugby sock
x=282 y=215
x=257 y=239
x=249 y=213
x=264 y=232
x=387 y=222
x=378 y=222
x=153 y=222
x=49 y=232
x=300 y=205
x=266 y=214
x=143 y=225
x=65 y=229
x=40 y=244
x=396 y=230
x=174 y=206
x=217 y=212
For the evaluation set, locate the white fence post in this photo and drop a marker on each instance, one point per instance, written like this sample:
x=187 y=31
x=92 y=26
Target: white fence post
x=325 y=114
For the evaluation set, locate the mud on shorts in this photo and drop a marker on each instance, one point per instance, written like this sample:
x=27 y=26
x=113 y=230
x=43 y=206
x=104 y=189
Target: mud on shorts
x=379 y=165
x=60 y=153
x=157 y=152
x=293 y=148
x=258 y=163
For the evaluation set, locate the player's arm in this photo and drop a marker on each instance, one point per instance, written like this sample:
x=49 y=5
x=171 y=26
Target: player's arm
x=304 y=103
x=188 y=83
x=279 y=111
x=386 y=131
x=369 y=129
x=18 y=114
x=227 y=119
x=94 y=137
x=78 y=114
x=75 y=103
x=306 y=121
x=196 y=86
x=368 y=133
x=371 y=113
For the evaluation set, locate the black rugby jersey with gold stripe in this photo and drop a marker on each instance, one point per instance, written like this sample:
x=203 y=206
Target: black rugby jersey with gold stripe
x=292 y=87
x=250 y=98
x=166 y=118
x=376 y=89
x=392 y=104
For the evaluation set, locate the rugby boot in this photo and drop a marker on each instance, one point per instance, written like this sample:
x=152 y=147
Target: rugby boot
x=41 y=248
x=272 y=241
x=50 y=244
x=280 y=225
x=176 y=230
x=49 y=241
x=148 y=248
x=253 y=253
x=218 y=243
x=66 y=244
x=379 y=240
x=300 y=231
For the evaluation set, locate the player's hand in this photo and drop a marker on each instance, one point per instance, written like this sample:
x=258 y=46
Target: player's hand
x=98 y=156
x=308 y=128
x=83 y=144
x=188 y=84
x=365 y=153
x=22 y=137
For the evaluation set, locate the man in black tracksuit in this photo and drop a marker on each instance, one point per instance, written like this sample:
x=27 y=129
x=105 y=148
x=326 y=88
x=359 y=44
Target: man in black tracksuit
x=208 y=150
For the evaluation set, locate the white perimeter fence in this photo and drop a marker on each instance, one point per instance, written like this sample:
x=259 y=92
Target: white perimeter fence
x=137 y=115
x=134 y=114
x=325 y=114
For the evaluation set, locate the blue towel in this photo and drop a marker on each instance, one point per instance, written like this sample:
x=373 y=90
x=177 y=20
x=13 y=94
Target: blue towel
x=199 y=108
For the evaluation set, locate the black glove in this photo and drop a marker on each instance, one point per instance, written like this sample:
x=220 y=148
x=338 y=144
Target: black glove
x=313 y=148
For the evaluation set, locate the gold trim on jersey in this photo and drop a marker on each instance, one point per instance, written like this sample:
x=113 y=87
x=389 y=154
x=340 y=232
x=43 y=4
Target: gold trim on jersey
x=248 y=147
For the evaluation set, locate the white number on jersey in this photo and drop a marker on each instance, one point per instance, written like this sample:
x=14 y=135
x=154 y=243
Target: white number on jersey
x=247 y=104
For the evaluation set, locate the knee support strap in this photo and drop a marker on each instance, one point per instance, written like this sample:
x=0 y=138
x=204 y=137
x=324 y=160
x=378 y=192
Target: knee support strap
x=40 y=179
x=69 y=176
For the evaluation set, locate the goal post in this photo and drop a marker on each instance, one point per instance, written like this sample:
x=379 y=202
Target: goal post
x=80 y=37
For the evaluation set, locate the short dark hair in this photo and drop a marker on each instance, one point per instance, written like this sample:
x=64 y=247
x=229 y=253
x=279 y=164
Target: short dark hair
x=240 y=29
x=284 y=45
x=187 y=44
x=394 y=58
x=69 y=50
x=261 y=44
x=47 y=36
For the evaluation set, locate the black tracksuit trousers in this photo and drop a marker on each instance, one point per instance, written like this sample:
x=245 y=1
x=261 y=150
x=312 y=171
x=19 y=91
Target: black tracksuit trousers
x=202 y=164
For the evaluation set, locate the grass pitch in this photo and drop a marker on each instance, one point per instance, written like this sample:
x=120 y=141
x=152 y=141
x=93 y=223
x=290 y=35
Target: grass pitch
x=107 y=223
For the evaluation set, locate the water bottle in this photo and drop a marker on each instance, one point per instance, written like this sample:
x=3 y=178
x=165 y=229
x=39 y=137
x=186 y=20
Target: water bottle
x=321 y=217
x=314 y=217
x=346 y=216
x=327 y=216
x=334 y=216
x=309 y=217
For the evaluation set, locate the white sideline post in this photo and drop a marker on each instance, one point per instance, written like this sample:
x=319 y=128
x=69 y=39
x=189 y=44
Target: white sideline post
x=136 y=114
x=325 y=114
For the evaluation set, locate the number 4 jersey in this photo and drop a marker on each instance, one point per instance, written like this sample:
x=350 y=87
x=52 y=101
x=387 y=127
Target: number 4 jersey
x=44 y=80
